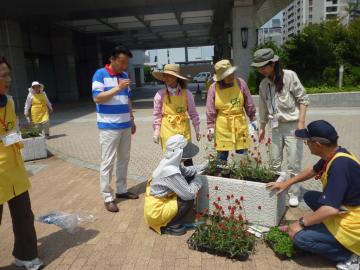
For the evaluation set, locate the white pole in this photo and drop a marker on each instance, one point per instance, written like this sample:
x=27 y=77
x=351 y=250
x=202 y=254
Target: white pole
x=341 y=75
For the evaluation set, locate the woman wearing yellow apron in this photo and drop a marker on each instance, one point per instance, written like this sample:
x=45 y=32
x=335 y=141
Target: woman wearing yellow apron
x=38 y=103
x=228 y=105
x=173 y=106
x=333 y=229
x=169 y=197
x=14 y=183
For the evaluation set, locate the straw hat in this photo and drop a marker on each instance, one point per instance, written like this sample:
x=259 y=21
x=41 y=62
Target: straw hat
x=223 y=68
x=264 y=56
x=170 y=69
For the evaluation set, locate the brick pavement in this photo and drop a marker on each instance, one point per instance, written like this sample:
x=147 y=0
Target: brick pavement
x=117 y=241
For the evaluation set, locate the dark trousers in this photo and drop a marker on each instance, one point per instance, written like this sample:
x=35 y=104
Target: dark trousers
x=317 y=238
x=183 y=209
x=25 y=244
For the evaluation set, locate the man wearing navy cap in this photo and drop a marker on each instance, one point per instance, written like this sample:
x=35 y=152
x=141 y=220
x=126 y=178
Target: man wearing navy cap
x=333 y=228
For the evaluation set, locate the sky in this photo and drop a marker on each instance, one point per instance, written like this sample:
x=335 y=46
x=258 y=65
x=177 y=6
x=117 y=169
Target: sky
x=277 y=16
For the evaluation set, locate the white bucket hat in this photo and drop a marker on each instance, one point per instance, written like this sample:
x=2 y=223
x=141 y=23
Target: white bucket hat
x=36 y=83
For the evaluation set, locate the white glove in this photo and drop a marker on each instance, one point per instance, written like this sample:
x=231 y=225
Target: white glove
x=156 y=139
x=210 y=134
x=198 y=137
x=253 y=127
x=28 y=119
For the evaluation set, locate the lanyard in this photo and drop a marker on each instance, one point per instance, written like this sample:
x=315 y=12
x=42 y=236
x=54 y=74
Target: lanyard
x=272 y=100
x=3 y=121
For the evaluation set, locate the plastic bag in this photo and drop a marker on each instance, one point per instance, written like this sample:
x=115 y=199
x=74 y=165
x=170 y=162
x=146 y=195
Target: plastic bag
x=69 y=222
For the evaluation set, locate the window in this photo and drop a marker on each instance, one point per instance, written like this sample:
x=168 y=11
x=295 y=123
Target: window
x=331 y=9
x=310 y=16
x=310 y=2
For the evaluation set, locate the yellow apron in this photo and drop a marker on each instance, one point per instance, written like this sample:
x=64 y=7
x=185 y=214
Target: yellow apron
x=39 y=109
x=174 y=118
x=13 y=178
x=158 y=212
x=344 y=227
x=231 y=126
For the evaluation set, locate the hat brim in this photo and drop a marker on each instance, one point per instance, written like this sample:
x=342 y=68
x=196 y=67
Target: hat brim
x=302 y=134
x=263 y=63
x=159 y=75
x=41 y=85
x=190 y=151
x=228 y=72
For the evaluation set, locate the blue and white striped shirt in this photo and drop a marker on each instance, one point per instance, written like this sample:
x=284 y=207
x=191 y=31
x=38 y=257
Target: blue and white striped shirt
x=115 y=113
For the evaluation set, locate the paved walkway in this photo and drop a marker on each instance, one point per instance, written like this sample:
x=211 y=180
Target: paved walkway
x=69 y=182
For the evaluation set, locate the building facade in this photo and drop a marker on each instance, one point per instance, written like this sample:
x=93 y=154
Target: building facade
x=303 y=12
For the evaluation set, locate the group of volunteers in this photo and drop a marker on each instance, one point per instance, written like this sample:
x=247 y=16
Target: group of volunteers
x=331 y=230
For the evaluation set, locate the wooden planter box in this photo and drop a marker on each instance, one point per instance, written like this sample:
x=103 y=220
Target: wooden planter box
x=34 y=148
x=254 y=194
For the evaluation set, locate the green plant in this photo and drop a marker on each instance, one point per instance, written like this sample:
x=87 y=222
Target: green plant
x=224 y=234
x=29 y=132
x=280 y=242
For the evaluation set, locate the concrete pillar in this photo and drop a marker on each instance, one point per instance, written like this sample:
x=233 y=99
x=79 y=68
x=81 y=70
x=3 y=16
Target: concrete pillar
x=64 y=63
x=243 y=17
x=186 y=55
x=11 y=46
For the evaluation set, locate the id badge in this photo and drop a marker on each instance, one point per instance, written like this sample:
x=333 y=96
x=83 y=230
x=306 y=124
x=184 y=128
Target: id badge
x=10 y=138
x=274 y=121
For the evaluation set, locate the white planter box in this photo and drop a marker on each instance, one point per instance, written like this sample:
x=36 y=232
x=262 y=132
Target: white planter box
x=34 y=148
x=255 y=194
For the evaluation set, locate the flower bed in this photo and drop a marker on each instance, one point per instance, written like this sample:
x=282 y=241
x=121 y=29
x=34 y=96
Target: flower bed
x=34 y=144
x=223 y=236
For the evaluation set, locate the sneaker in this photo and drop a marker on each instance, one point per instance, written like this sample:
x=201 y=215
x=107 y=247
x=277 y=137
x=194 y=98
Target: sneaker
x=176 y=230
x=293 y=200
x=350 y=264
x=34 y=264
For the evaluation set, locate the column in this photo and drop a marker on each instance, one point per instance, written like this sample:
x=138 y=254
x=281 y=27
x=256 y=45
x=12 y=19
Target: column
x=11 y=46
x=243 y=16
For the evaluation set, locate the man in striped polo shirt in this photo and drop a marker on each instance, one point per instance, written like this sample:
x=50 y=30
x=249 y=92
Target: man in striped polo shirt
x=111 y=93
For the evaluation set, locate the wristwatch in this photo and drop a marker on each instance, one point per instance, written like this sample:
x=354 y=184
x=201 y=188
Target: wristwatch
x=301 y=222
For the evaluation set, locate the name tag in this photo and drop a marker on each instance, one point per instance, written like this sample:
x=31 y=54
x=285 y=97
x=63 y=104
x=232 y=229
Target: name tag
x=11 y=138
x=274 y=123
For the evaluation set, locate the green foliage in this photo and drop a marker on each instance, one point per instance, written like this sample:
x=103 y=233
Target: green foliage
x=331 y=89
x=29 y=132
x=281 y=242
x=147 y=74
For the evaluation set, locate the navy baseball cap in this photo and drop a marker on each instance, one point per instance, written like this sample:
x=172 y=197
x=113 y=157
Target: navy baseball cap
x=319 y=129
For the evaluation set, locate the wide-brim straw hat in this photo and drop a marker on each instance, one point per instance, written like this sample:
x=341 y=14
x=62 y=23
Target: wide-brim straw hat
x=223 y=68
x=170 y=69
x=263 y=57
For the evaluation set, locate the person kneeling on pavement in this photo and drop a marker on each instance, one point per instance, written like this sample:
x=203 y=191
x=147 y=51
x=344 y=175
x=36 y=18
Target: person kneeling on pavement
x=169 y=196
x=332 y=230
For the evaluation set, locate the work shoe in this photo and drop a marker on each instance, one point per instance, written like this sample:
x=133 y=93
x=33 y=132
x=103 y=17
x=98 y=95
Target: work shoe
x=174 y=230
x=127 y=195
x=34 y=264
x=293 y=200
x=350 y=264
x=111 y=207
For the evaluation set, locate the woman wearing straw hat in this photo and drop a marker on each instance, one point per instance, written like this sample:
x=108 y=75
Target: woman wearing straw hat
x=171 y=106
x=228 y=103
x=282 y=102
x=169 y=196
x=38 y=103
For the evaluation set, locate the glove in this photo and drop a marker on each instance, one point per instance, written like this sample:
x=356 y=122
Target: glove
x=156 y=139
x=210 y=134
x=198 y=137
x=28 y=119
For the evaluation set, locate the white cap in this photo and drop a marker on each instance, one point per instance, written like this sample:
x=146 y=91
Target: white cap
x=35 y=83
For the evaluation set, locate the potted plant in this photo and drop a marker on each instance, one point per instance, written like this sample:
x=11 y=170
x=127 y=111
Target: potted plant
x=34 y=143
x=280 y=242
x=223 y=235
x=246 y=176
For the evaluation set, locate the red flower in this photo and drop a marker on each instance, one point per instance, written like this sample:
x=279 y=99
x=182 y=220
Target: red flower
x=206 y=210
x=259 y=207
x=240 y=207
x=252 y=136
x=222 y=212
x=216 y=188
x=229 y=207
x=207 y=195
x=232 y=196
x=198 y=215
x=241 y=198
x=240 y=217
x=219 y=199
x=228 y=197
x=237 y=202
x=234 y=208
x=269 y=141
